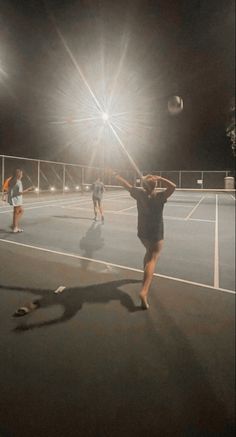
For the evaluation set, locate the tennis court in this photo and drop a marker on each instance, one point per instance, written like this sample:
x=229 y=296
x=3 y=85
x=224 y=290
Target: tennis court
x=89 y=361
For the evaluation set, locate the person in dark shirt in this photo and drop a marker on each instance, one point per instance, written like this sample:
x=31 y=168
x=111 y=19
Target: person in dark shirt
x=150 y=204
x=98 y=190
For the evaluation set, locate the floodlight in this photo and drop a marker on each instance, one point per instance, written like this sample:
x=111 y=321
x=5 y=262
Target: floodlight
x=105 y=116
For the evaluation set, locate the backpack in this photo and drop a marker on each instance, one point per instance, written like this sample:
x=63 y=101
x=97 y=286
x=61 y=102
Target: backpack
x=6 y=184
x=5 y=188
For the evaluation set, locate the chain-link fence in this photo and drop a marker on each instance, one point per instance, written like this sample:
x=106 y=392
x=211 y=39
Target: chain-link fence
x=48 y=176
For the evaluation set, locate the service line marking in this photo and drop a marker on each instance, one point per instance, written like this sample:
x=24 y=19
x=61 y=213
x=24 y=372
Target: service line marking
x=194 y=209
x=75 y=256
x=111 y=211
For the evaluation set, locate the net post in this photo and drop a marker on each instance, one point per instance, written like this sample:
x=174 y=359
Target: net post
x=202 y=177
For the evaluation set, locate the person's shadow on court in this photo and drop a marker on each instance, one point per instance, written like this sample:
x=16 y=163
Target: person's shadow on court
x=92 y=241
x=72 y=300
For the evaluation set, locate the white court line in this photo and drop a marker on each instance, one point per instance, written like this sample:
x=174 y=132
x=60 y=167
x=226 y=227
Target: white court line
x=216 y=254
x=27 y=206
x=178 y=205
x=194 y=209
x=63 y=199
x=110 y=211
x=126 y=209
x=44 y=201
x=59 y=203
x=72 y=255
x=233 y=197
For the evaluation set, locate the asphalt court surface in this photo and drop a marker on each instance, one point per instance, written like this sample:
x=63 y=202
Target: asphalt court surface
x=199 y=233
x=89 y=362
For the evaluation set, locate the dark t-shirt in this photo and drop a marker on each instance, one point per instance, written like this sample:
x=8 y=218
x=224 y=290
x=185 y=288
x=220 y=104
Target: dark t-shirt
x=98 y=189
x=150 y=214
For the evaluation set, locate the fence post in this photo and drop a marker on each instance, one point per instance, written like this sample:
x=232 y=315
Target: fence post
x=3 y=170
x=38 y=177
x=64 y=178
x=82 y=177
x=180 y=179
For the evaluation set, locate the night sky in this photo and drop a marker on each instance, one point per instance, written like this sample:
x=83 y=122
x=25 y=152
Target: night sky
x=140 y=52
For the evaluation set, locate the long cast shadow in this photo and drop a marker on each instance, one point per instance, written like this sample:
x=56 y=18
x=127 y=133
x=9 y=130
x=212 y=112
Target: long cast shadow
x=72 y=300
x=91 y=241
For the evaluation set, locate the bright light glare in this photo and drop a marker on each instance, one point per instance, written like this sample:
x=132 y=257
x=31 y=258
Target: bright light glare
x=77 y=187
x=52 y=188
x=66 y=188
x=114 y=102
x=105 y=116
x=36 y=190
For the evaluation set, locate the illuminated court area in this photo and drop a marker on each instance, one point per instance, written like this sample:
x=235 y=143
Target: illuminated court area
x=91 y=362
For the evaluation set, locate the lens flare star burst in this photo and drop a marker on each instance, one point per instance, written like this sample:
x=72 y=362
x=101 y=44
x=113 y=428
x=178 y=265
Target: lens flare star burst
x=99 y=97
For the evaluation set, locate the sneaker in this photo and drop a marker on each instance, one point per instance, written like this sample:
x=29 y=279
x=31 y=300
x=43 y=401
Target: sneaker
x=16 y=230
x=144 y=303
x=102 y=220
x=22 y=311
x=95 y=219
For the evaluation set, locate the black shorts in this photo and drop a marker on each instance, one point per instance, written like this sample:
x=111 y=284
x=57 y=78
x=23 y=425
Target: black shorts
x=152 y=235
x=97 y=200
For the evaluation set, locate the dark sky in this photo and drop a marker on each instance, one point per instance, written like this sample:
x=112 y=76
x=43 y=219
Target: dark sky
x=169 y=47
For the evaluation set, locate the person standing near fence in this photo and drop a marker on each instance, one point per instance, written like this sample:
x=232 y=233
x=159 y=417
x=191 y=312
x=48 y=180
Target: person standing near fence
x=150 y=203
x=98 y=190
x=15 y=198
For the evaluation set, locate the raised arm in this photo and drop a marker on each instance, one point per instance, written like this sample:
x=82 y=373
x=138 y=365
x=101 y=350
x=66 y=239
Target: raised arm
x=123 y=181
x=170 y=186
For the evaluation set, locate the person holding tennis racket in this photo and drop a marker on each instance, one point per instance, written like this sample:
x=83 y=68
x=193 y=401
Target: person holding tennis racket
x=15 y=199
x=150 y=204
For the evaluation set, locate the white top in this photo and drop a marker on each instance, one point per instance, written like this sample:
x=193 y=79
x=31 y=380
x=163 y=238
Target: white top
x=14 y=198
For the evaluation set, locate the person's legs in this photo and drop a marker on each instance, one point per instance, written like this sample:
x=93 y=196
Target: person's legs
x=17 y=214
x=153 y=251
x=95 y=208
x=13 y=226
x=101 y=209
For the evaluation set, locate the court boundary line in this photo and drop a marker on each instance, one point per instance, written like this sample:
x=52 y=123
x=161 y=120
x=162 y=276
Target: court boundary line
x=194 y=209
x=64 y=199
x=122 y=267
x=118 y=212
x=59 y=203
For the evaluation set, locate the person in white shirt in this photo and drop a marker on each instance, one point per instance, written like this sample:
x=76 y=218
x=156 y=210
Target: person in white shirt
x=15 y=199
